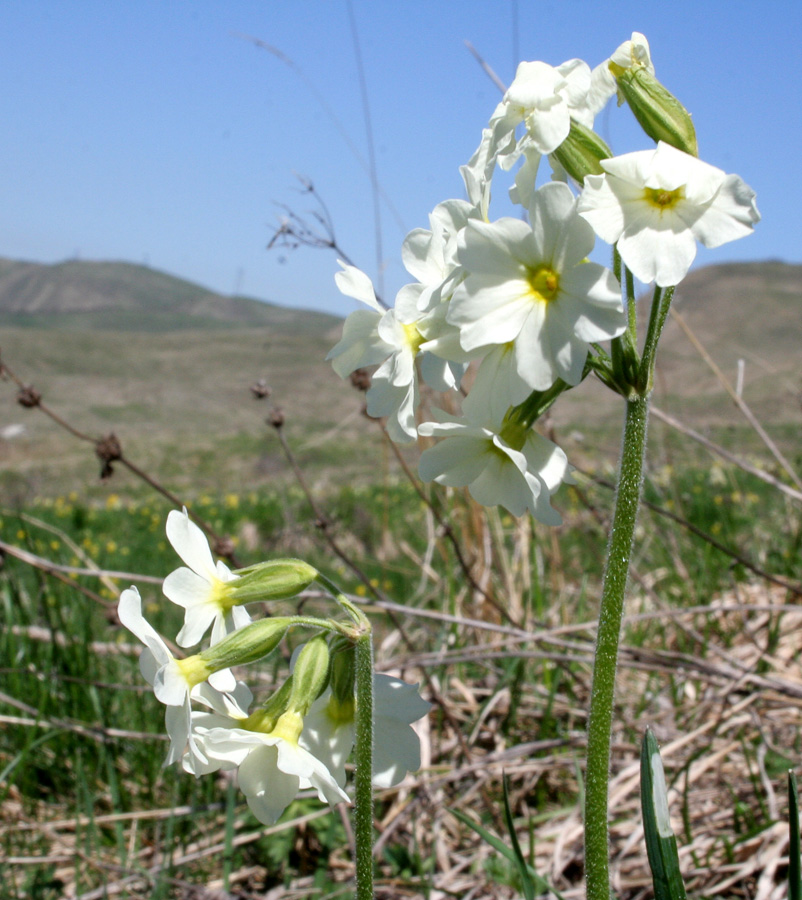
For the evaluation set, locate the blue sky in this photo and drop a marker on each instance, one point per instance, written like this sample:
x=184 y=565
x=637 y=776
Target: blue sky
x=155 y=132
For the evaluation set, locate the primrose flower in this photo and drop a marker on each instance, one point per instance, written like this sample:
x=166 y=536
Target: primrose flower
x=501 y=464
x=529 y=286
x=272 y=766
x=172 y=680
x=430 y=255
x=657 y=203
x=631 y=55
x=541 y=97
x=395 y=339
x=374 y=336
x=329 y=731
x=204 y=589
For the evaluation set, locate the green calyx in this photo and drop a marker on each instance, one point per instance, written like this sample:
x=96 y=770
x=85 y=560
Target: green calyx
x=265 y=718
x=310 y=677
x=657 y=110
x=581 y=153
x=278 y=579
x=342 y=678
x=246 y=645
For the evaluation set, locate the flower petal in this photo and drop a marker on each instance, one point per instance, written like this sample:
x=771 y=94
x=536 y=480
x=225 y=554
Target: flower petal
x=190 y=543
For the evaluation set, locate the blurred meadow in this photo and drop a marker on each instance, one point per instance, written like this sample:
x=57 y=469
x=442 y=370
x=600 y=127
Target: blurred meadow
x=493 y=616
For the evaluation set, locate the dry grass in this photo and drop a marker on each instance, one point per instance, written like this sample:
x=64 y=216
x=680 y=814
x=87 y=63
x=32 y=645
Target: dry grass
x=724 y=718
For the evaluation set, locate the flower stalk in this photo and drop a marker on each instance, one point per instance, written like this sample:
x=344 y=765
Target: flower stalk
x=363 y=755
x=619 y=551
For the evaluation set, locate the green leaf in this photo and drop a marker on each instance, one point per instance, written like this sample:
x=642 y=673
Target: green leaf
x=523 y=869
x=540 y=884
x=661 y=845
x=794 y=861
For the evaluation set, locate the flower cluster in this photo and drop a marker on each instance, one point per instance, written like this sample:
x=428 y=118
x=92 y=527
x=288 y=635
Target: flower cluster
x=302 y=735
x=508 y=314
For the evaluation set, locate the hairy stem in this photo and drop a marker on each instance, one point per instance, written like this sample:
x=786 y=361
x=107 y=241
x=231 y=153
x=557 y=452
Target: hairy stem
x=363 y=778
x=602 y=697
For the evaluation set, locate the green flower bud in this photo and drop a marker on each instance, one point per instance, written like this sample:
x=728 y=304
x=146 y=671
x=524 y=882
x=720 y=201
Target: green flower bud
x=657 y=110
x=580 y=154
x=246 y=645
x=310 y=677
x=278 y=579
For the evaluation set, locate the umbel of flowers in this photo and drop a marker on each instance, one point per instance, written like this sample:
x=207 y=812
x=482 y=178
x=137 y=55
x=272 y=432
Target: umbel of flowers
x=302 y=735
x=517 y=298
x=507 y=314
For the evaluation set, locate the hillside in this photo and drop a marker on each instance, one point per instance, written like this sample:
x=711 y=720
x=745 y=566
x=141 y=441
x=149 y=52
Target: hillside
x=99 y=341
x=120 y=296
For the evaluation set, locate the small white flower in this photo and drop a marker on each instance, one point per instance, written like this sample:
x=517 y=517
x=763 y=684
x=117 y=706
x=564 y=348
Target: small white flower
x=329 y=731
x=203 y=589
x=507 y=466
x=632 y=54
x=657 y=203
x=430 y=255
x=272 y=766
x=541 y=97
x=530 y=287
x=393 y=338
x=172 y=683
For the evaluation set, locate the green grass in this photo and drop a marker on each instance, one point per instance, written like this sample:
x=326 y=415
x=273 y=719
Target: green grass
x=60 y=764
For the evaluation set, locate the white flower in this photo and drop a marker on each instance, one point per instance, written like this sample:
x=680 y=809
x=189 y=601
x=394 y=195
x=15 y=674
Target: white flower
x=203 y=589
x=171 y=682
x=329 y=731
x=504 y=465
x=391 y=338
x=396 y=746
x=272 y=766
x=541 y=97
x=530 y=286
x=328 y=734
x=360 y=344
x=395 y=339
x=430 y=255
x=657 y=203
x=632 y=54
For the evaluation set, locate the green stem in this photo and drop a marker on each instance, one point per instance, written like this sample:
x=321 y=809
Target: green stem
x=363 y=777
x=603 y=689
x=661 y=303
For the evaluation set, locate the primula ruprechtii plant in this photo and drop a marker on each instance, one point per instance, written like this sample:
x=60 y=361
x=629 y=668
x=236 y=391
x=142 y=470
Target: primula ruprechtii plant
x=508 y=314
x=302 y=735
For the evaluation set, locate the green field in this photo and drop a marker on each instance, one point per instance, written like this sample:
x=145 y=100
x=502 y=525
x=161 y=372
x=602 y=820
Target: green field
x=501 y=643
x=86 y=802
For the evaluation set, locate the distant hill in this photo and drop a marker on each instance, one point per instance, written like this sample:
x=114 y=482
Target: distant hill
x=121 y=296
x=99 y=341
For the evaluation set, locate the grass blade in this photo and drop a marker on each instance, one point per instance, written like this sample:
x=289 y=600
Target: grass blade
x=794 y=860
x=523 y=868
x=661 y=845
x=496 y=843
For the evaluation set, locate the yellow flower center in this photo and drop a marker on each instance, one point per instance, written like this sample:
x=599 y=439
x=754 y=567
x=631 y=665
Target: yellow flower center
x=222 y=594
x=193 y=669
x=544 y=284
x=663 y=199
x=413 y=337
